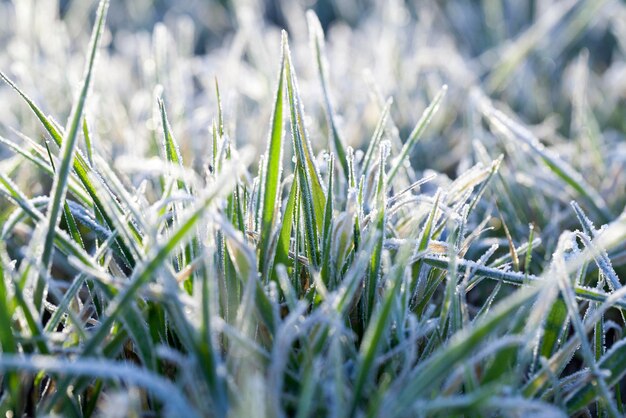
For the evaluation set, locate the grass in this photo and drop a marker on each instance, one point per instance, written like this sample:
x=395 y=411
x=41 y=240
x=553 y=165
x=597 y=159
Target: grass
x=258 y=259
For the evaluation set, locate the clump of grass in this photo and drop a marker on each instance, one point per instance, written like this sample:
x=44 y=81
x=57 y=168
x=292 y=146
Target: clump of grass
x=344 y=283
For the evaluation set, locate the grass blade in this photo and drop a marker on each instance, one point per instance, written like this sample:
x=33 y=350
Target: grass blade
x=59 y=188
x=316 y=35
x=312 y=193
x=271 y=176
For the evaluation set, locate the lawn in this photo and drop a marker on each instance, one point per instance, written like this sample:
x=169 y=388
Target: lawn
x=357 y=208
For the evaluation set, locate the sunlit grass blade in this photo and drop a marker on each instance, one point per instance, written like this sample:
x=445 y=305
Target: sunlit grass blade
x=312 y=194
x=172 y=151
x=67 y=214
x=88 y=144
x=271 y=176
x=283 y=243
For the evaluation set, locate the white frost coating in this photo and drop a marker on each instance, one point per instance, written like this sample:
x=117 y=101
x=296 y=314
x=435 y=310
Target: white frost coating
x=599 y=254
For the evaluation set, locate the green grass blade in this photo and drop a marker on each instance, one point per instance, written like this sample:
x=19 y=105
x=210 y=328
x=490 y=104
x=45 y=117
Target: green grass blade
x=327 y=233
x=67 y=214
x=313 y=196
x=555 y=321
x=88 y=145
x=375 y=333
x=284 y=236
x=374 y=270
x=430 y=373
x=614 y=361
x=59 y=188
x=81 y=167
x=271 y=176
x=172 y=151
x=11 y=381
x=425 y=238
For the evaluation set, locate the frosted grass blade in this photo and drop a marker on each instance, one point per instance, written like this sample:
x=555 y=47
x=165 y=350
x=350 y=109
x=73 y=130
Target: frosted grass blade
x=316 y=35
x=271 y=176
x=312 y=193
x=59 y=188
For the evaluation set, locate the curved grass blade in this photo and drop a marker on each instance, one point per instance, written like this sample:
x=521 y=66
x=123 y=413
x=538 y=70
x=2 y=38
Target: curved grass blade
x=39 y=161
x=169 y=394
x=82 y=169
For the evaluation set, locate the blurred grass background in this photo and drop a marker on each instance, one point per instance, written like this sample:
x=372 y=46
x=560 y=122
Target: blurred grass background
x=558 y=65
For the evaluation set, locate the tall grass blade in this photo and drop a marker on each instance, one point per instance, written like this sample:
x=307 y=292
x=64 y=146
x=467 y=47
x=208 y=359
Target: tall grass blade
x=271 y=176
x=312 y=194
x=316 y=35
x=59 y=188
